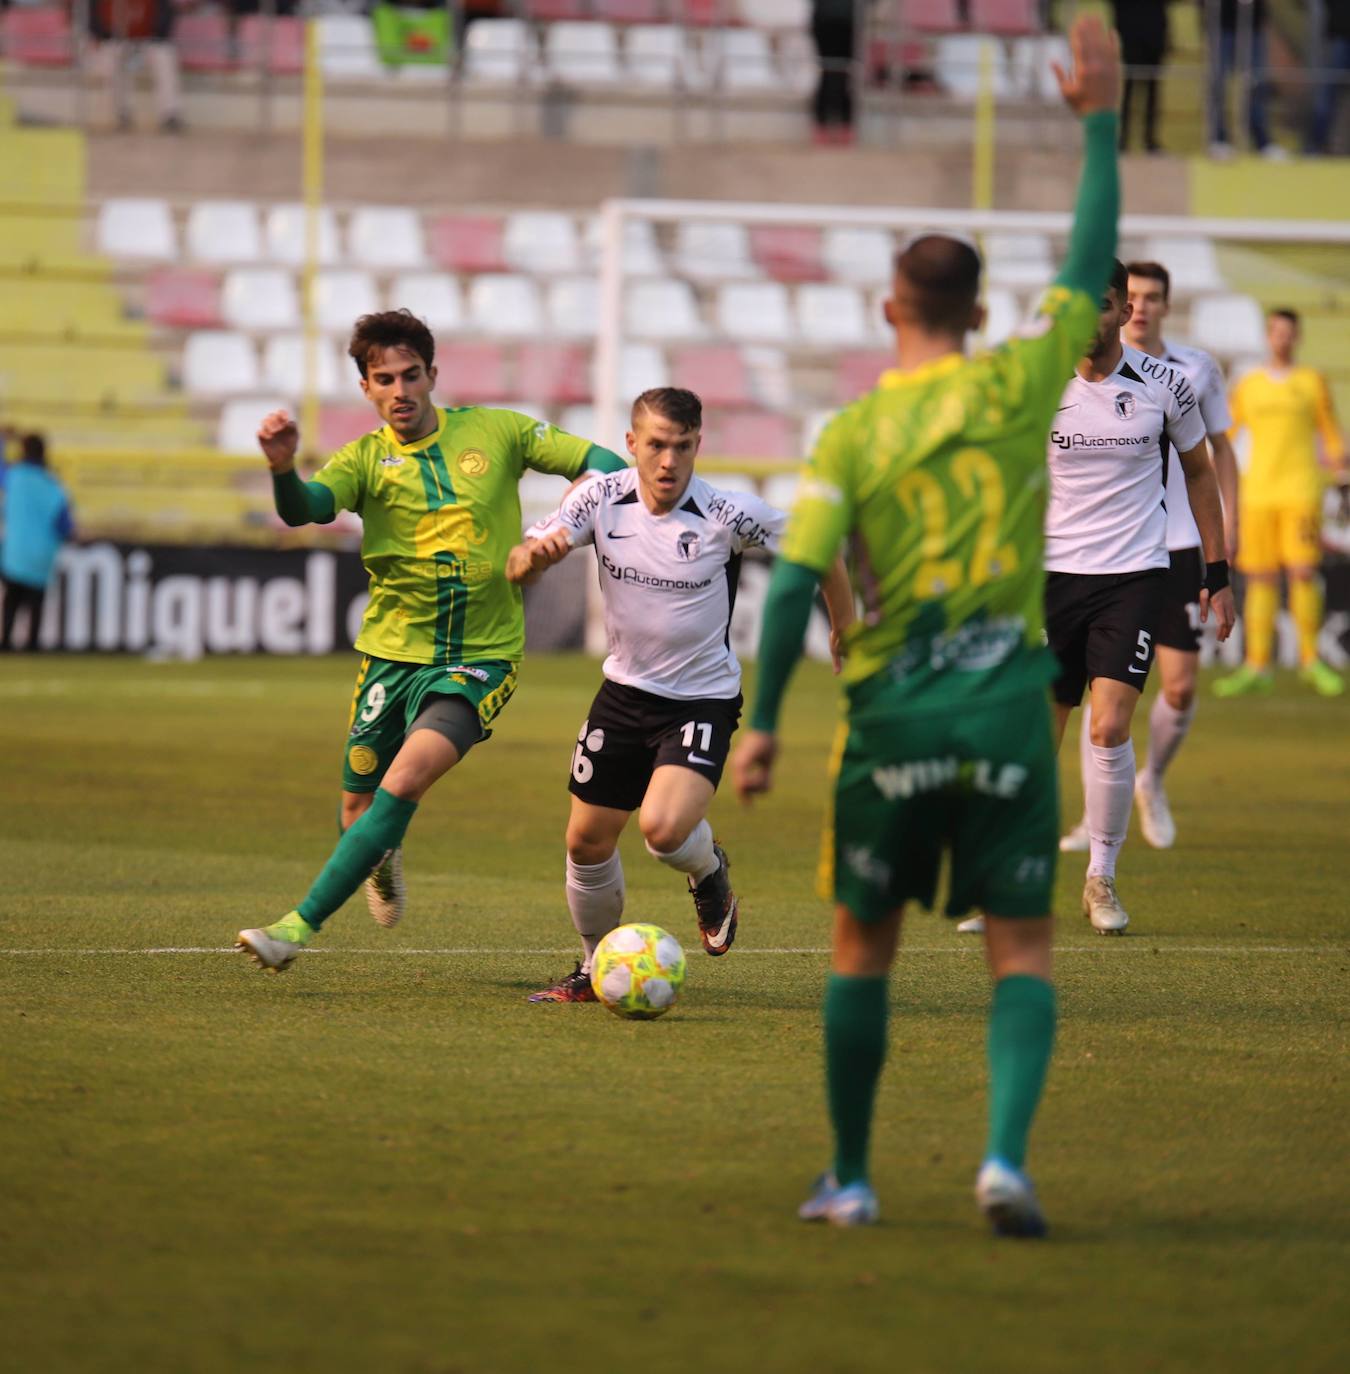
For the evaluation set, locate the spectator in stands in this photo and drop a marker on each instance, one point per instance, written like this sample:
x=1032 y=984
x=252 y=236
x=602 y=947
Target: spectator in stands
x=124 y=27
x=1142 y=25
x=37 y=522
x=832 y=28
x=1238 y=29
x=1333 y=62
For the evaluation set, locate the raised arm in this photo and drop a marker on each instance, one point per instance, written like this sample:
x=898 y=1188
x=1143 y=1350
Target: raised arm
x=297 y=502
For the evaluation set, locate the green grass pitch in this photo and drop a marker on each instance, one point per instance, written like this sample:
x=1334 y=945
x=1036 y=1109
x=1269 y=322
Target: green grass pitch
x=385 y=1160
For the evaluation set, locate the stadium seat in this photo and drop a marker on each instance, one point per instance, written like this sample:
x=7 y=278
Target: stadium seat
x=717 y=373
x=540 y=242
x=573 y=307
x=787 y=252
x=661 y=309
x=701 y=13
x=748 y=434
x=755 y=310
x=385 y=236
x=930 y=16
x=283 y=367
x=581 y=421
x=831 y=315
x=468 y=243
x=774 y=14
x=1228 y=325
x=858 y=372
x=641 y=367
x=223 y=231
x=432 y=296
x=1192 y=263
x=1007 y=18
x=284 y=235
x=347 y=50
x=37 y=37
x=202 y=39
x=183 y=299
x=1017 y=259
x=339 y=425
x=956 y=62
x=583 y=55
x=710 y=251
x=859 y=255
x=557 y=9
x=278 y=44
x=629 y=11
x=136 y=228
x=505 y=304
x=499 y=52
x=217 y=362
x=341 y=295
x=799 y=64
x=770 y=377
x=260 y=298
x=642 y=256
x=237 y=426
x=742 y=60
x=556 y=373
x=1031 y=67
x=780 y=490
x=658 y=57
x=1003 y=314
x=472 y=373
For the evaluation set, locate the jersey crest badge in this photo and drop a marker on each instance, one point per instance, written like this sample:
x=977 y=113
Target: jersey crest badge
x=1125 y=405
x=391 y=460
x=363 y=759
x=473 y=462
x=687 y=546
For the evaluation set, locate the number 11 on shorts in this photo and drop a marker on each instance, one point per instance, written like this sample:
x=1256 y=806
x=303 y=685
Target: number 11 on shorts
x=704 y=732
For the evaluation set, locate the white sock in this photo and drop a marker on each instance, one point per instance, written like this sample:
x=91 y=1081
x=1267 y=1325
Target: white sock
x=595 y=899
x=1110 y=795
x=1085 y=752
x=1167 y=728
x=695 y=856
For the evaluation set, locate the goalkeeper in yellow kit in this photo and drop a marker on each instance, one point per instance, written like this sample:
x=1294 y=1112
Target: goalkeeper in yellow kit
x=1285 y=407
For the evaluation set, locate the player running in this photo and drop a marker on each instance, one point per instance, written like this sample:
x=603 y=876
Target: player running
x=656 y=737
x=437 y=492
x=1177 y=642
x=937 y=480
x=1285 y=407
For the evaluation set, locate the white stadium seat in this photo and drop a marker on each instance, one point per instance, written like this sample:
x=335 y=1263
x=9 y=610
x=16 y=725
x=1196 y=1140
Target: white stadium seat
x=217 y=362
x=774 y=14
x=781 y=491
x=799 y=63
x=582 y=54
x=574 y=307
x=641 y=367
x=755 y=310
x=136 y=228
x=658 y=57
x=1014 y=259
x=661 y=309
x=1002 y=316
x=831 y=313
x=284 y=236
x=386 y=236
x=642 y=256
x=283 y=368
x=956 y=64
x=541 y=241
x=432 y=296
x=499 y=52
x=341 y=295
x=1192 y=263
x=859 y=255
x=741 y=60
x=223 y=231
x=502 y=303
x=259 y=298
x=710 y=251
x=1229 y=325
x=1030 y=67
x=580 y=420
x=237 y=428
x=347 y=48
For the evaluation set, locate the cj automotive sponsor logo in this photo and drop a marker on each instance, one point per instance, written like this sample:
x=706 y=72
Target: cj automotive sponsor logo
x=633 y=577
x=1067 y=441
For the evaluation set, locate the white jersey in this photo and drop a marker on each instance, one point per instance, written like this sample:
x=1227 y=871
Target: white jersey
x=1207 y=382
x=1108 y=456
x=668 y=581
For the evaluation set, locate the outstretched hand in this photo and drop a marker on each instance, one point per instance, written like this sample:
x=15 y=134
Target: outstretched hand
x=1094 y=82
x=279 y=438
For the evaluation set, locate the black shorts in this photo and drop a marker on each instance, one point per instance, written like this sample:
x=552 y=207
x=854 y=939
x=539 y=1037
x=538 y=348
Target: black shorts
x=1179 y=622
x=1102 y=625
x=629 y=734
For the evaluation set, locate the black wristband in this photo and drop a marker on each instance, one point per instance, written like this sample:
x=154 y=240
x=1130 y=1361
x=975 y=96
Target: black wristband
x=1216 y=576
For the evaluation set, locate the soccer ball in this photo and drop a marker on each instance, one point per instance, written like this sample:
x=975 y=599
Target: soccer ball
x=637 y=971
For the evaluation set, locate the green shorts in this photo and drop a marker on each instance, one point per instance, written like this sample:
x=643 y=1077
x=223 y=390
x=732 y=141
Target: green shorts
x=980 y=782
x=389 y=697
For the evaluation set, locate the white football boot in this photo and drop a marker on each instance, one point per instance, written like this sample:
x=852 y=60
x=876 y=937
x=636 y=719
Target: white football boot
x=273 y=948
x=852 y=1205
x=972 y=925
x=1102 y=907
x=1007 y=1198
x=386 y=892
x=1155 y=816
x=1077 y=840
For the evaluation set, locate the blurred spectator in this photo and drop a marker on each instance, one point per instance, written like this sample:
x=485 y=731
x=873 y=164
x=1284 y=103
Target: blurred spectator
x=37 y=522
x=832 y=28
x=1142 y=25
x=1238 y=31
x=1332 y=57
x=125 y=28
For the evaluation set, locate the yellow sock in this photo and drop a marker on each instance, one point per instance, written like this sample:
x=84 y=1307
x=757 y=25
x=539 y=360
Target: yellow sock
x=1263 y=601
x=1305 y=605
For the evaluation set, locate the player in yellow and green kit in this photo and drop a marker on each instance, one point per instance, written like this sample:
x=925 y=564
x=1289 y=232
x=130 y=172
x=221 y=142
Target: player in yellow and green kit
x=437 y=493
x=936 y=485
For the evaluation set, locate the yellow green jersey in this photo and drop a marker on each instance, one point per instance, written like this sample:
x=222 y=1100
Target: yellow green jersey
x=937 y=481
x=439 y=517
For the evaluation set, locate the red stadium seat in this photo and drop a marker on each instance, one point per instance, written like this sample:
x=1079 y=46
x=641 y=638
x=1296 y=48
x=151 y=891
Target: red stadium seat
x=858 y=372
x=706 y=13
x=629 y=11
x=749 y=434
x=554 y=373
x=282 y=48
x=203 y=42
x=462 y=243
x=37 y=37
x=339 y=425
x=183 y=299
x=557 y=9
x=471 y=373
x=930 y=16
x=717 y=374
x=1007 y=18
x=787 y=252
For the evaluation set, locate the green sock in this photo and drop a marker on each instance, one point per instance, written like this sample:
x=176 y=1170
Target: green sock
x=358 y=853
x=1021 y=1036
x=855 y=1047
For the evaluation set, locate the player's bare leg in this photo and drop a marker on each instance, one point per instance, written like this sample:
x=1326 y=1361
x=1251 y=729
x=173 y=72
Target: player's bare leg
x=1169 y=720
x=674 y=825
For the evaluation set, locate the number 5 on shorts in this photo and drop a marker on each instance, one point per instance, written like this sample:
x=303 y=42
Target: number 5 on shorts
x=1145 y=647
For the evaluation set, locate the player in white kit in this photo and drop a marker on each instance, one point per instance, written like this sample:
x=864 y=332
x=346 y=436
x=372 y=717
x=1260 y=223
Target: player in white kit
x=669 y=548
x=1178 y=639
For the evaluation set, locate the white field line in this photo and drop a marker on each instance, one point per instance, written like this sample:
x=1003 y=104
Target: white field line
x=1137 y=944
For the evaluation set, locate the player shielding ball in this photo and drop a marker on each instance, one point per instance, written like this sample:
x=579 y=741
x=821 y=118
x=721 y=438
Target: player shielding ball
x=655 y=740
x=937 y=481
x=437 y=492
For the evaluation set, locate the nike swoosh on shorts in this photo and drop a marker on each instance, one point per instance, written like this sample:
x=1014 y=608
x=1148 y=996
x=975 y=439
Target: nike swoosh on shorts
x=698 y=758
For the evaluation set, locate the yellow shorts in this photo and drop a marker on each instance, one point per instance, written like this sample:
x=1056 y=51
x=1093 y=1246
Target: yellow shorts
x=1275 y=537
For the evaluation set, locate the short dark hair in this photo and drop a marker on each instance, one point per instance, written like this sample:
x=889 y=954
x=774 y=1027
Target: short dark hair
x=1119 y=281
x=942 y=280
x=674 y=403
x=33 y=449
x=1283 y=312
x=1153 y=271
x=373 y=334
